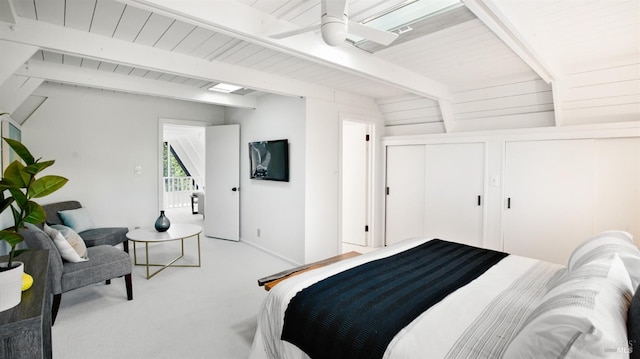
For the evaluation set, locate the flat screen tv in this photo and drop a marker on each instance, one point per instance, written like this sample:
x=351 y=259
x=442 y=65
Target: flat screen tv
x=269 y=160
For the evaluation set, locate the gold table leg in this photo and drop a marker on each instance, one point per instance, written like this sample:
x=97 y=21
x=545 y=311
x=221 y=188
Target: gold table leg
x=164 y=266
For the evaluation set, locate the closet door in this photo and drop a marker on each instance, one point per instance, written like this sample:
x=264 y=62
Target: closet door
x=454 y=187
x=405 y=193
x=617 y=185
x=548 y=197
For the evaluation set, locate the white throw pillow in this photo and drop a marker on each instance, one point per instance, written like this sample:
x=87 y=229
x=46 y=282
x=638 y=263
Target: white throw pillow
x=67 y=251
x=604 y=245
x=78 y=219
x=584 y=316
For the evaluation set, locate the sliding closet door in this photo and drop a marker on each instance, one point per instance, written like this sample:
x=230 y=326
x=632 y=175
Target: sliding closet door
x=454 y=186
x=548 y=197
x=405 y=193
x=617 y=185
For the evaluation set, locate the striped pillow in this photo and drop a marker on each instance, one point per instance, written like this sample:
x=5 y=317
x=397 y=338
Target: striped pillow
x=604 y=245
x=583 y=316
x=67 y=251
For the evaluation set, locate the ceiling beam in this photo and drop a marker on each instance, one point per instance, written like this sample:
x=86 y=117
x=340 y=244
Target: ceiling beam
x=498 y=22
x=7 y=13
x=246 y=23
x=558 y=90
x=447 y=115
x=83 y=44
x=489 y=13
x=13 y=56
x=138 y=85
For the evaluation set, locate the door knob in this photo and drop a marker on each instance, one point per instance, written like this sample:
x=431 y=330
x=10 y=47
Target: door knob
x=234 y=189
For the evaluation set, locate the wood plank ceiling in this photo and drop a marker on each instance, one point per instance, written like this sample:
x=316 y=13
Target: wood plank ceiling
x=482 y=75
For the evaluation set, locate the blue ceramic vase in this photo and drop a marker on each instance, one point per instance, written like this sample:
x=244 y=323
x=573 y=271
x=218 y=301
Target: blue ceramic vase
x=162 y=223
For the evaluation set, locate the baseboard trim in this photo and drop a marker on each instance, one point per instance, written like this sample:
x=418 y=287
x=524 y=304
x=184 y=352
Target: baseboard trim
x=270 y=252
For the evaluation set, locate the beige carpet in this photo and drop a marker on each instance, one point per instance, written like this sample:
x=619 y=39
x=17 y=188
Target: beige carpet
x=206 y=312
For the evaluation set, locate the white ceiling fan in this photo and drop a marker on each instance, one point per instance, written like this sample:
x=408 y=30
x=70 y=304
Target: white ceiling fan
x=335 y=25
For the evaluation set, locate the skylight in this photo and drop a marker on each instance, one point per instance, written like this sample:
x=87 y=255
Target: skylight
x=407 y=13
x=226 y=88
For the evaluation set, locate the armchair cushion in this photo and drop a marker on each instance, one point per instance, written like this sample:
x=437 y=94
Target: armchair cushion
x=106 y=235
x=106 y=262
x=78 y=219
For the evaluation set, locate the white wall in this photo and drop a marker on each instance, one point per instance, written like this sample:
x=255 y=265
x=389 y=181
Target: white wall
x=96 y=138
x=322 y=192
x=304 y=226
x=275 y=208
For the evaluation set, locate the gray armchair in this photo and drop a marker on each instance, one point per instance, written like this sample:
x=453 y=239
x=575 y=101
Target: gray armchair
x=105 y=263
x=91 y=237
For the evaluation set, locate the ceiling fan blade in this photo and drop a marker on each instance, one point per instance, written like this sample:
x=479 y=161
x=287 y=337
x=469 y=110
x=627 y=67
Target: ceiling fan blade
x=381 y=37
x=302 y=30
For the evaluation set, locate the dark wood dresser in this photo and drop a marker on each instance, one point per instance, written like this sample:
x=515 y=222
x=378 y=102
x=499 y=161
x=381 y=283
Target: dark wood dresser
x=25 y=330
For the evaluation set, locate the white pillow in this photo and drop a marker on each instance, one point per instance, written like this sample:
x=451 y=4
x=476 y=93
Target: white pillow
x=584 y=316
x=604 y=245
x=67 y=251
x=78 y=219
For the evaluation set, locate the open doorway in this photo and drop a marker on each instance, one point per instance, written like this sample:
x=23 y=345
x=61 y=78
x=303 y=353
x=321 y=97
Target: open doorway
x=183 y=171
x=356 y=218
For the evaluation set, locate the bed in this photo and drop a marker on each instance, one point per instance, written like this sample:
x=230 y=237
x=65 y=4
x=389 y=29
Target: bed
x=429 y=298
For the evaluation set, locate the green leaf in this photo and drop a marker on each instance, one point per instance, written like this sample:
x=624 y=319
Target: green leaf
x=19 y=196
x=34 y=213
x=18 y=252
x=5 y=203
x=11 y=237
x=19 y=180
x=15 y=175
x=20 y=150
x=16 y=215
x=37 y=167
x=4 y=185
x=46 y=185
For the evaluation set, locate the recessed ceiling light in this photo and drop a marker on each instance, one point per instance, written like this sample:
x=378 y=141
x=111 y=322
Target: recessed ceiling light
x=224 y=88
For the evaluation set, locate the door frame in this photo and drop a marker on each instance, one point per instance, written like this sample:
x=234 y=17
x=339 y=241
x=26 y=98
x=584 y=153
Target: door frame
x=371 y=148
x=161 y=123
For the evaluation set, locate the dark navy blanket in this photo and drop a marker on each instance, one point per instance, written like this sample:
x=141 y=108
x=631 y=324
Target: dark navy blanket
x=356 y=313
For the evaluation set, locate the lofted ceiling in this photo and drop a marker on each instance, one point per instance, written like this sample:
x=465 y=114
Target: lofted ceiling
x=443 y=74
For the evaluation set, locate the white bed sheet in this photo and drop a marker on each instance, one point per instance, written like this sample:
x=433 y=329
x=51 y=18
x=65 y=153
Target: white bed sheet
x=478 y=320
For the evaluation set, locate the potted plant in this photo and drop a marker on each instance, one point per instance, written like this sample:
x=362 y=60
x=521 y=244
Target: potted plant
x=20 y=185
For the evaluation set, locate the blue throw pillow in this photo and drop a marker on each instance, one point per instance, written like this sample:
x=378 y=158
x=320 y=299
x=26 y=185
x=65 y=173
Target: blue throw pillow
x=78 y=219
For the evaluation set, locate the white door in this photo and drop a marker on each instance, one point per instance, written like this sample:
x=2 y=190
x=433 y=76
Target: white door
x=405 y=193
x=617 y=185
x=454 y=187
x=222 y=197
x=355 y=184
x=548 y=197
